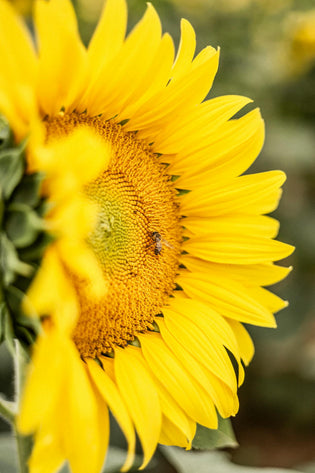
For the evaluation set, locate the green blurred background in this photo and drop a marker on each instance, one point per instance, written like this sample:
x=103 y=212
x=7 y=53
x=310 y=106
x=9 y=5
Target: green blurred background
x=268 y=54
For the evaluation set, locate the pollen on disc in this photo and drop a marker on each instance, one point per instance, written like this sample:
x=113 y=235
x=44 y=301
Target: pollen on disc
x=136 y=201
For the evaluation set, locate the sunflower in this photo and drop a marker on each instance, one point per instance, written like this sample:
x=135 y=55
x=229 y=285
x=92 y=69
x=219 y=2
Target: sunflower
x=160 y=245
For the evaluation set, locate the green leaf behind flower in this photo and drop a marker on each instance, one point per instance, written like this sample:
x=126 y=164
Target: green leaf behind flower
x=209 y=439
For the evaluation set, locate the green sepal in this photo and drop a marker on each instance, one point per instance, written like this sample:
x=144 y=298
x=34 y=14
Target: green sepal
x=10 y=264
x=22 y=225
x=22 y=238
x=2 y=207
x=6 y=326
x=3 y=310
x=210 y=439
x=36 y=251
x=28 y=191
x=6 y=136
x=11 y=170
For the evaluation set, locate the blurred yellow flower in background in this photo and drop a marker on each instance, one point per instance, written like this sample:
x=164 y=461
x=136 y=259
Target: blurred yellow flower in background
x=299 y=41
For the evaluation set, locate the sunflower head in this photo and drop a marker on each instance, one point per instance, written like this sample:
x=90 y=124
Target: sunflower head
x=160 y=247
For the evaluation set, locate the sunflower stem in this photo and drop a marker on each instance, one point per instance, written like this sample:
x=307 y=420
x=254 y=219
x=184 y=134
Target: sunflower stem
x=7 y=410
x=24 y=447
x=23 y=443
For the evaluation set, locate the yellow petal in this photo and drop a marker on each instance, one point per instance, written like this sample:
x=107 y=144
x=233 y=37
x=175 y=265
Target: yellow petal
x=112 y=397
x=223 y=397
x=108 y=37
x=202 y=123
x=126 y=71
x=103 y=427
x=253 y=193
x=186 y=49
x=196 y=338
x=62 y=56
x=47 y=454
x=177 y=381
x=227 y=297
x=264 y=274
x=81 y=426
x=171 y=410
x=155 y=79
x=171 y=435
x=223 y=152
x=253 y=225
x=178 y=97
x=19 y=63
x=237 y=249
x=18 y=58
x=57 y=299
x=244 y=341
x=267 y=299
x=45 y=376
x=140 y=395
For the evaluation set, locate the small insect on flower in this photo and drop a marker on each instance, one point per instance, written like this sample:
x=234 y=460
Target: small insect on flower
x=156 y=236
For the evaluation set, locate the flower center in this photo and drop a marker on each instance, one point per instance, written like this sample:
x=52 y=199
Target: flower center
x=137 y=238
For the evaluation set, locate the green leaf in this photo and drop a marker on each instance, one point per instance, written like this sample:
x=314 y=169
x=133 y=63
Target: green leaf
x=210 y=462
x=11 y=170
x=209 y=439
x=27 y=191
x=8 y=454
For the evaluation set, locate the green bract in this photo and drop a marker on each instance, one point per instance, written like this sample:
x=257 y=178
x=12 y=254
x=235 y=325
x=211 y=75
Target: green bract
x=22 y=239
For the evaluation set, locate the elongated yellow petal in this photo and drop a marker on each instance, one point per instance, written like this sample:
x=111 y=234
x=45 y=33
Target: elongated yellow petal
x=81 y=427
x=177 y=380
x=223 y=397
x=253 y=225
x=62 y=57
x=227 y=297
x=126 y=71
x=237 y=249
x=139 y=393
x=253 y=193
x=209 y=321
x=58 y=299
x=14 y=33
x=244 y=340
x=103 y=428
x=175 y=99
x=19 y=69
x=172 y=435
x=47 y=454
x=268 y=299
x=186 y=49
x=193 y=129
x=171 y=410
x=209 y=351
x=264 y=274
x=155 y=79
x=42 y=384
x=108 y=37
x=224 y=152
x=112 y=397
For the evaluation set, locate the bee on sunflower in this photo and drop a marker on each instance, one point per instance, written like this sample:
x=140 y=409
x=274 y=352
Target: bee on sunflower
x=145 y=248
